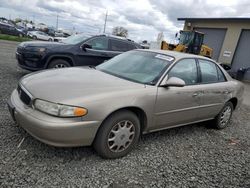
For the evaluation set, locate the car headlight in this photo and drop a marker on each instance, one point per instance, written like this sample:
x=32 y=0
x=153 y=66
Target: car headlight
x=59 y=110
x=36 y=49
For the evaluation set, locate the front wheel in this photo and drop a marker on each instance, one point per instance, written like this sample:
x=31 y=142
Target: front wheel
x=58 y=63
x=222 y=119
x=118 y=135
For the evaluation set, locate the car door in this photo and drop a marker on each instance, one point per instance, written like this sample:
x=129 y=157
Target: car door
x=43 y=36
x=214 y=89
x=179 y=105
x=96 y=54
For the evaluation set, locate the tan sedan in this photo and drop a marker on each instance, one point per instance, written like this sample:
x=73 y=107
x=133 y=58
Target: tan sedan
x=110 y=106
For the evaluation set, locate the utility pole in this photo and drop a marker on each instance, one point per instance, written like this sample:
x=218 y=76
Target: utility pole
x=104 y=29
x=57 y=22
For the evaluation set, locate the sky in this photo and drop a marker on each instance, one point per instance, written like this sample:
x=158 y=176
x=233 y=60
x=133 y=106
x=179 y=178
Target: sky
x=143 y=19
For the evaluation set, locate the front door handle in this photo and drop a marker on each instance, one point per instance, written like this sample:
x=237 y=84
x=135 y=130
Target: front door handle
x=195 y=94
x=198 y=93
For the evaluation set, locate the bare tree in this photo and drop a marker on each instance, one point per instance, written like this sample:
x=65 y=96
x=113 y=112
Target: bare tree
x=120 y=31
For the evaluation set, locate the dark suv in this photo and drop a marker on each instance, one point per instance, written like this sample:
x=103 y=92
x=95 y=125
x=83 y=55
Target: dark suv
x=10 y=30
x=77 y=50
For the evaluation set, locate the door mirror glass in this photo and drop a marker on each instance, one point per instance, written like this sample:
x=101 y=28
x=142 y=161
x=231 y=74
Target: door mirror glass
x=175 y=82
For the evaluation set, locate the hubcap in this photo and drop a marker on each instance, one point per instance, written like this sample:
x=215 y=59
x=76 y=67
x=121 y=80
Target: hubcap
x=225 y=115
x=121 y=136
x=59 y=66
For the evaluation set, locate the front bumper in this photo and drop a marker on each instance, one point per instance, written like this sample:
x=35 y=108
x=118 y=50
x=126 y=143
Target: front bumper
x=28 y=61
x=60 y=132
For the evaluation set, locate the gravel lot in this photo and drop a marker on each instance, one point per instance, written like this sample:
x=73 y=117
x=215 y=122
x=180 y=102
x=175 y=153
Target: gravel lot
x=190 y=156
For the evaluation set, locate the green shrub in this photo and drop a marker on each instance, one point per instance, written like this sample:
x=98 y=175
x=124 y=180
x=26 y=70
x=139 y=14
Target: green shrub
x=14 y=38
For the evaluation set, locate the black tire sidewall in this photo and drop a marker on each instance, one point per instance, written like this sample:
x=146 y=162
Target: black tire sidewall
x=218 y=117
x=100 y=144
x=53 y=63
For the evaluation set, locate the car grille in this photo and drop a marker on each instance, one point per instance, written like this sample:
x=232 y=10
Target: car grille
x=25 y=98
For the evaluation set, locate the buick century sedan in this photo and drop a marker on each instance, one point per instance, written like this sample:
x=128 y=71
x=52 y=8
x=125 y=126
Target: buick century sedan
x=110 y=106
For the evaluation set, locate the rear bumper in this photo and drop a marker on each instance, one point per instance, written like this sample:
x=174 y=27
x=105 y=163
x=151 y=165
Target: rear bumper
x=60 y=132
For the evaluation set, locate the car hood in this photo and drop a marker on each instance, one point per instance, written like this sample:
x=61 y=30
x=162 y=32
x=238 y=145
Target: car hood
x=69 y=84
x=42 y=44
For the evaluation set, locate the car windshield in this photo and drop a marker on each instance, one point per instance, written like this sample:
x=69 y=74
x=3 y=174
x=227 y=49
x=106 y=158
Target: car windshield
x=75 y=39
x=138 y=66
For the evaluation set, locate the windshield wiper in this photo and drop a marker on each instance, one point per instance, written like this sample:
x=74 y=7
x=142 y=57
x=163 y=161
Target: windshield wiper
x=92 y=66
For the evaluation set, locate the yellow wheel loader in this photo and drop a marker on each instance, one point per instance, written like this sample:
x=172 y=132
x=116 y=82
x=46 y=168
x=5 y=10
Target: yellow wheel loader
x=189 y=42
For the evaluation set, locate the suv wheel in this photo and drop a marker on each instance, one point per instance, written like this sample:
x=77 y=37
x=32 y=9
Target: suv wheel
x=118 y=135
x=58 y=63
x=34 y=37
x=223 y=118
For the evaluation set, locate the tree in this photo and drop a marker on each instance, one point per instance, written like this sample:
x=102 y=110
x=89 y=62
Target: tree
x=120 y=31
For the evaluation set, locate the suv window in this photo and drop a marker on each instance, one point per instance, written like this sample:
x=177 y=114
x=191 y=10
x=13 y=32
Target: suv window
x=131 y=46
x=99 y=43
x=209 y=73
x=186 y=70
x=120 y=46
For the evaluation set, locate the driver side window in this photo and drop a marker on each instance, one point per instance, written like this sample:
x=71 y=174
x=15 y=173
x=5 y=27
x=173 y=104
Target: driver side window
x=186 y=70
x=99 y=43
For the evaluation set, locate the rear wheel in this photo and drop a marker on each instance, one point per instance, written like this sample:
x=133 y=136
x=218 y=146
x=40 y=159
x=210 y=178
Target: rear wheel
x=118 y=135
x=34 y=37
x=58 y=63
x=50 y=39
x=222 y=119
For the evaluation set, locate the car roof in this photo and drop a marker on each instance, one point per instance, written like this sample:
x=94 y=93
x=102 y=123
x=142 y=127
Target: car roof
x=118 y=38
x=176 y=55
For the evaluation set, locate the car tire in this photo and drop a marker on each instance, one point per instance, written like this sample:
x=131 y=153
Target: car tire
x=34 y=37
x=118 y=135
x=50 y=39
x=58 y=63
x=221 y=121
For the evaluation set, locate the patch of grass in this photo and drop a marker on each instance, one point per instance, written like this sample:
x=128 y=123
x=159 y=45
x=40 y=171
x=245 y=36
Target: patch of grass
x=14 y=38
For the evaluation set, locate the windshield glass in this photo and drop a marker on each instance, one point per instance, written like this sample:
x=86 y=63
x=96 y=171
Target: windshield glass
x=186 y=38
x=138 y=66
x=75 y=39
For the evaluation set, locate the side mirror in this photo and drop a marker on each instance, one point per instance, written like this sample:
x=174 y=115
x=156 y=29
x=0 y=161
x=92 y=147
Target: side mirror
x=175 y=82
x=84 y=46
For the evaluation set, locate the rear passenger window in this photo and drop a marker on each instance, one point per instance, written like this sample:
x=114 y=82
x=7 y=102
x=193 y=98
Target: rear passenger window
x=120 y=46
x=131 y=47
x=209 y=73
x=186 y=70
x=221 y=76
